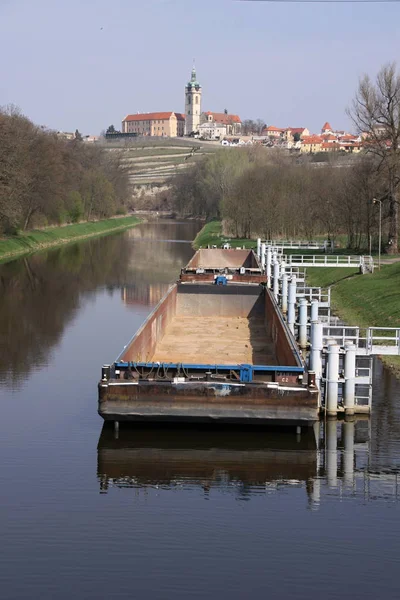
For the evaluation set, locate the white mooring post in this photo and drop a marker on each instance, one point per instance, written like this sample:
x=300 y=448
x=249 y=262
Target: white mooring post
x=332 y=377
x=314 y=310
x=331 y=452
x=284 y=293
x=268 y=266
x=317 y=346
x=263 y=256
x=259 y=248
x=350 y=378
x=292 y=303
x=303 y=323
x=276 y=281
x=348 y=455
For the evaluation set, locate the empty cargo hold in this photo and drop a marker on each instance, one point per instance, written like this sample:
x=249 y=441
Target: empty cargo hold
x=210 y=352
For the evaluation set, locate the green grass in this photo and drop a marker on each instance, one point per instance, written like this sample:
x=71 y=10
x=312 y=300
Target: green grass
x=364 y=300
x=211 y=234
x=34 y=240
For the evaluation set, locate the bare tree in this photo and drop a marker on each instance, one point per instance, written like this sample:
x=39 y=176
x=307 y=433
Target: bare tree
x=375 y=111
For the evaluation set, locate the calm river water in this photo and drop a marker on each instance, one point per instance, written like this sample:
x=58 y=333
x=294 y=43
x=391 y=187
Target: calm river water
x=166 y=513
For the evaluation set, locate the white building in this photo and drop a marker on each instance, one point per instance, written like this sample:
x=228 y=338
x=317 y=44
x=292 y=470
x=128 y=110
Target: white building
x=212 y=131
x=192 y=104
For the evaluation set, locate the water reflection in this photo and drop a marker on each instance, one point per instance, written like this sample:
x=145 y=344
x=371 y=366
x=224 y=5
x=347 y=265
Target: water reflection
x=41 y=294
x=333 y=459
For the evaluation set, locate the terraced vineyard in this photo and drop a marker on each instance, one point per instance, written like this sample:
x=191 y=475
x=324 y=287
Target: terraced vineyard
x=153 y=162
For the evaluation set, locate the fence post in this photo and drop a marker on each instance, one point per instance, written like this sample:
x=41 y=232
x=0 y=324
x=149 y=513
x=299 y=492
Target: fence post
x=276 y=280
x=268 y=267
x=284 y=293
x=350 y=378
x=332 y=376
x=316 y=351
x=303 y=323
x=259 y=248
x=314 y=310
x=263 y=256
x=292 y=303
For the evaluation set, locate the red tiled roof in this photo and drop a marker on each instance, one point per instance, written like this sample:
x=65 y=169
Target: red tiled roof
x=326 y=126
x=329 y=138
x=180 y=116
x=329 y=145
x=224 y=118
x=312 y=139
x=348 y=137
x=272 y=128
x=149 y=116
x=296 y=129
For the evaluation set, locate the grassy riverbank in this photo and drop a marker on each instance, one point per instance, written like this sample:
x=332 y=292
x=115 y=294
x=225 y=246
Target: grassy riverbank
x=364 y=300
x=211 y=234
x=34 y=240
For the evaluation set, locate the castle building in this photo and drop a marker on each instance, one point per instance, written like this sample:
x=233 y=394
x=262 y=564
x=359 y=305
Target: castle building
x=232 y=123
x=163 y=124
x=192 y=104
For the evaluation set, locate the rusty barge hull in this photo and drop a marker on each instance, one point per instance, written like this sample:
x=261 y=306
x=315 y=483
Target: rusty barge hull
x=210 y=353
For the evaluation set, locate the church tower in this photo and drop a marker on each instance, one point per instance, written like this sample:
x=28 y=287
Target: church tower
x=192 y=104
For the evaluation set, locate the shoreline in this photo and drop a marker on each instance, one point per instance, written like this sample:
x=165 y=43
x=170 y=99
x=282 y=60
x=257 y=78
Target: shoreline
x=42 y=239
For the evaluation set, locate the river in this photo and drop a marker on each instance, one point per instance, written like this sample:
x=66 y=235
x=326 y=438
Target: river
x=166 y=513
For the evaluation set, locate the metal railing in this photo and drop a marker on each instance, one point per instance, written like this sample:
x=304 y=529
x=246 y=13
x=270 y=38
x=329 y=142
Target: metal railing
x=315 y=293
x=369 y=340
x=323 y=260
x=299 y=244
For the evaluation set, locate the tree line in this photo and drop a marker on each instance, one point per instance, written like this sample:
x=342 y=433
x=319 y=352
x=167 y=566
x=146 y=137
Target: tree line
x=268 y=193
x=47 y=180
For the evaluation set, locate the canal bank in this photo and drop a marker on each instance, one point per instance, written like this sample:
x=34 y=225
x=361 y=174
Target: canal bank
x=32 y=241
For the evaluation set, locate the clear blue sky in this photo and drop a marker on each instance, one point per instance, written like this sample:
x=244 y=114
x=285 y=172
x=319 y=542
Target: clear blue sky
x=289 y=64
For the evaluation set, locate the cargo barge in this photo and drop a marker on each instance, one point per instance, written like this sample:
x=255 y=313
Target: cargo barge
x=236 y=265
x=211 y=353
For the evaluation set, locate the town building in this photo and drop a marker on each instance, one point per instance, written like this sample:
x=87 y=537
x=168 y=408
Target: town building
x=212 y=131
x=272 y=132
x=192 y=104
x=311 y=144
x=331 y=141
x=291 y=133
x=232 y=123
x=65 y=135
x=160 y=124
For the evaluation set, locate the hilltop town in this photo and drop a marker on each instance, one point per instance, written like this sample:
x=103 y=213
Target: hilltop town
x=228 y=129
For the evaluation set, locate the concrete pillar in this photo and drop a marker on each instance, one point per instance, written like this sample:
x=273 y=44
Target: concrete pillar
x=314 y=310
x=316 y=351
x=331 y=452
x=303 y=323
x=263 y=256
x=292 y=303
x=332 y=376
x=259 y=247
x=350 y=378
x=348 y=453
x=276 y=281
x=284 y=305
x=268 y=266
